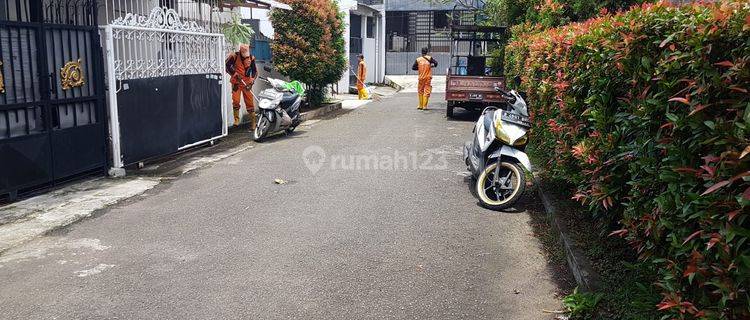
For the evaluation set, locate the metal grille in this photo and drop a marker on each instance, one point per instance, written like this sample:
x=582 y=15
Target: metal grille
x=20 y=122
x=79 y=13
x=19 y=64
x=410 y=31
x=30 y=75
x=202 y=13
x=162 y=44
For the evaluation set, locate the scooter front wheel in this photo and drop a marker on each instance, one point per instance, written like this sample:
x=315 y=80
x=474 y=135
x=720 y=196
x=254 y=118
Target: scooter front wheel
x=261 y=128
x=503 y=193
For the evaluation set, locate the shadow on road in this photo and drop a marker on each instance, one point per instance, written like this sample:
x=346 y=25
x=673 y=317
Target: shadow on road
x=298 y=133
x=530 y=204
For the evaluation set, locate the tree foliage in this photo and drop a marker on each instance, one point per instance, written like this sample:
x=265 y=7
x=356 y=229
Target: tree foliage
x=308 y=44
x=548 y=13
x=648 y=113
x=235 y=32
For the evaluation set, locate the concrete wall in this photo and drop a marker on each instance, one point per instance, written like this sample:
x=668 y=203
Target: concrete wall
x=345 y=6
x=400 y=63
x=369 y=47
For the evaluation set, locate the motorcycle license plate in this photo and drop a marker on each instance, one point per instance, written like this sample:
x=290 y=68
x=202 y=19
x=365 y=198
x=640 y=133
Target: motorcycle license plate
x=516 y=119
x=476 y=96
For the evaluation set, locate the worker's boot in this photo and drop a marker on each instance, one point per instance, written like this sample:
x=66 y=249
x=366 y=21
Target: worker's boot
x=236 y=117
x=420 y=102
x=425 y=102
x=253 y=120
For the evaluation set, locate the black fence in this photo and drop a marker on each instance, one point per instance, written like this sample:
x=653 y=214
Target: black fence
x=51 y=93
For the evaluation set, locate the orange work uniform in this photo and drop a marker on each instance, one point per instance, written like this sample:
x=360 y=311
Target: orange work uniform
x=242 y=80
x=424 y=65
x=361 y=76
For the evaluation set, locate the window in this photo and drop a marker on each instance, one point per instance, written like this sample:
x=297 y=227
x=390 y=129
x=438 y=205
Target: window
x=397 y=23
x=355 y=26
x=440 y=19
x=370 y=27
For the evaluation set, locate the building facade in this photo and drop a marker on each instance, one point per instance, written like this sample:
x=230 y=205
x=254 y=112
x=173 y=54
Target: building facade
x=364 y=33
x=415 y=24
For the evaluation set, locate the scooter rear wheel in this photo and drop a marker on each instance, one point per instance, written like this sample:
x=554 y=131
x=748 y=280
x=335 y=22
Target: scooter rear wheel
x=505 y=194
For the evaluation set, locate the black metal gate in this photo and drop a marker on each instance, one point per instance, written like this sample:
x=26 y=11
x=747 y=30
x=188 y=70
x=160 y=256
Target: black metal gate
x=52 y=116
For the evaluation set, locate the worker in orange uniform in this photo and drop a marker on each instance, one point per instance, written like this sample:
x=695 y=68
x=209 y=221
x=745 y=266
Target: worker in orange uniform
x=424 y=65
x=241 y=67
x=361 y=76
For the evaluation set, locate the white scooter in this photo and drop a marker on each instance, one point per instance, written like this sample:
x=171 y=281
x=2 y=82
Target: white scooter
x=278 y=108
x=496 y=157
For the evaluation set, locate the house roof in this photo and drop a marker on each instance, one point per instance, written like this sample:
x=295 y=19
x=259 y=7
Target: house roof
x=368 y=9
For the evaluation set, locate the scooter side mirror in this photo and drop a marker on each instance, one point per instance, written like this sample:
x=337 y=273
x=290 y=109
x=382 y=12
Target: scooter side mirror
x=517 y=81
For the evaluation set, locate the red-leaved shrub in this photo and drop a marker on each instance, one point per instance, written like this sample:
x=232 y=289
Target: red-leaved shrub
x=648 y=113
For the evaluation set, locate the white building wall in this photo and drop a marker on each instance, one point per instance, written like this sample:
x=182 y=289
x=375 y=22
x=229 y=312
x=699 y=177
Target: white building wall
x=263 y=15
x=345 y=6
x=372 y=48
x=369 y=48
x=381 y=46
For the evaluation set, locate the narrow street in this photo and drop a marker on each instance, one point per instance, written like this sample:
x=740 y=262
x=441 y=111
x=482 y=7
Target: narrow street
x=356 y=230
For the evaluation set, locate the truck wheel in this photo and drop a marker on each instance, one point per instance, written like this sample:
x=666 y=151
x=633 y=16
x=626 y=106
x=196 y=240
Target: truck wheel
x=449 y=112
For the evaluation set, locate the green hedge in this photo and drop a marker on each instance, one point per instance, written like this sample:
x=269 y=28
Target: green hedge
x=647 y=112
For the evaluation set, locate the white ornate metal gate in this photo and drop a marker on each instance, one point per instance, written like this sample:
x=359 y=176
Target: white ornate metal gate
x=157 y=46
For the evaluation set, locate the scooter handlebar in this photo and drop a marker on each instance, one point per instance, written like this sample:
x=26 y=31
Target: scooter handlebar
x=506 y=94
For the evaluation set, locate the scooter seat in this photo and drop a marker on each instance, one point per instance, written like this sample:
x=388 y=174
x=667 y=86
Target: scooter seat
x=288 y=99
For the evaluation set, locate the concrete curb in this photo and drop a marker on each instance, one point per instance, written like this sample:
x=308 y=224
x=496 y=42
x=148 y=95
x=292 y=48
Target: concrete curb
x=320 y=112
x=586 y=278
x=392 y=84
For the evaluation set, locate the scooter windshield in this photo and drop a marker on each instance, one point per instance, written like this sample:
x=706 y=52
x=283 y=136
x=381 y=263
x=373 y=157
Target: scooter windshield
x=519 y=106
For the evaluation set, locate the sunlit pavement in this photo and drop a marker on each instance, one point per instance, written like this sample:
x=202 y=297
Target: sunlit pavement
x=367 y=215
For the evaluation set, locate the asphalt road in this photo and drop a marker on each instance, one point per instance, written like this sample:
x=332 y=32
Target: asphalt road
x=362 y=237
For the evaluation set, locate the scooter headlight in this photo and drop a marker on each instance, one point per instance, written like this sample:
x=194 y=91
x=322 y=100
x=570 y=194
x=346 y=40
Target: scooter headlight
x=522 y=141
x=509 y=133
x=500 y=132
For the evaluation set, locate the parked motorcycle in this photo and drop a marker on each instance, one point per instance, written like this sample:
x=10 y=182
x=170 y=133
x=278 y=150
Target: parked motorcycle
x=496 y=157
x=278 y=108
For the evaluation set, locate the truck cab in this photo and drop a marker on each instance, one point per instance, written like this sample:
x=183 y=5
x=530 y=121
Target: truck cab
x=473 y=75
